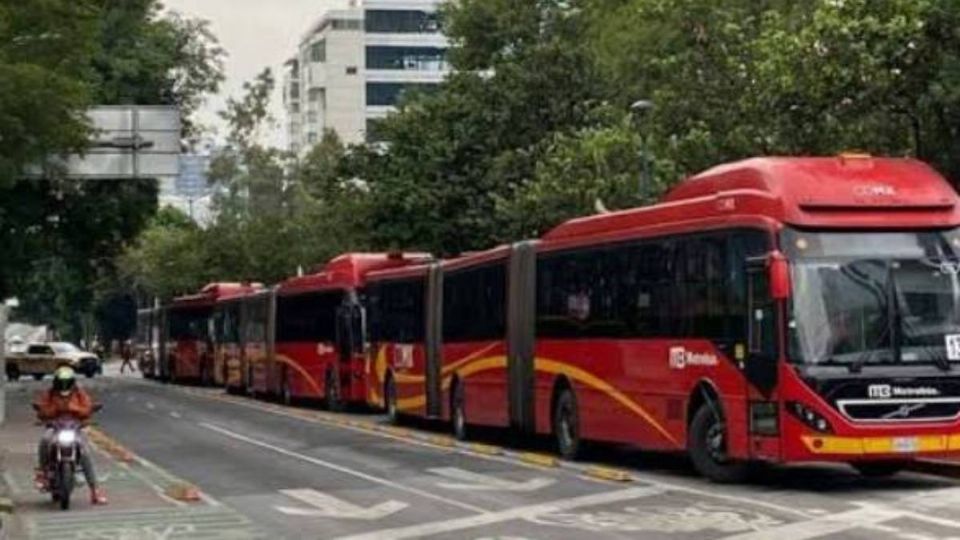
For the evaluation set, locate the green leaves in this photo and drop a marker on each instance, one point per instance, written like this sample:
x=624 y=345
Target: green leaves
x=58 y=58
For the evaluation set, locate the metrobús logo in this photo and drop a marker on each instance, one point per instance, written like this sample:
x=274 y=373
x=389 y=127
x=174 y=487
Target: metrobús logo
x=680 y=358
x=889 y=391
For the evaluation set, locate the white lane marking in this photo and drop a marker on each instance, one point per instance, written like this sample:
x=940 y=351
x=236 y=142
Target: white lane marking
x=174 y=414
x=341 y=468
x=807 y=514
x=151 y=406
x=473 y=481
x=323 y=505
x=867 y=515
x=490 y=518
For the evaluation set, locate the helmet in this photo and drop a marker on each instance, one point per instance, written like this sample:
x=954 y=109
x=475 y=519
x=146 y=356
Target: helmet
x=64 y=381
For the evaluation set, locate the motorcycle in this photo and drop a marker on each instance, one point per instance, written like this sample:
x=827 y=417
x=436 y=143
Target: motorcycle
x=64 y=458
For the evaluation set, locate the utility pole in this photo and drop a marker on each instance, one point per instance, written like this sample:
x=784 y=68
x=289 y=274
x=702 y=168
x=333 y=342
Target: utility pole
x=638 y=109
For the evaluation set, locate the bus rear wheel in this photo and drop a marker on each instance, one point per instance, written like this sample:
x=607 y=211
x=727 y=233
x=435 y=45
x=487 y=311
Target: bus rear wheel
x=458 y=413
x=390 y=401
x=879 y=469
x=566 y=425
x=707 y=443
x=330 y=394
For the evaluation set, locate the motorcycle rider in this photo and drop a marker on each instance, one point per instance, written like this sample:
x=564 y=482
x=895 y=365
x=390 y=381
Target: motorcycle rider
x=66 y=399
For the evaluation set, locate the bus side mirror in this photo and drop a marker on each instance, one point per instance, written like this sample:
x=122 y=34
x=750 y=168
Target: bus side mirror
x=779 y=276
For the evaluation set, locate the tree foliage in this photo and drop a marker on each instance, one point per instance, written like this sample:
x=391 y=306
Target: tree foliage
x=535 y=124
x=58 y=58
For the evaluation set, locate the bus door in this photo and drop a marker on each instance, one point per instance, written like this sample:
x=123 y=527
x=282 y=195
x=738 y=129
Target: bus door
x=349 y=342
x=766 y=281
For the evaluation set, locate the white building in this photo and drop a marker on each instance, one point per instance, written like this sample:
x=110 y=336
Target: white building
x=353 y=64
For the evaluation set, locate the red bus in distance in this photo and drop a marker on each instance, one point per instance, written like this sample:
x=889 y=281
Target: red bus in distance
x=774 y=309
x=189 y=350
x=319 y=332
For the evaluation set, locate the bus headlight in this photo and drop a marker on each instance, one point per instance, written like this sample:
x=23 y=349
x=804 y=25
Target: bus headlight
x=809 y=417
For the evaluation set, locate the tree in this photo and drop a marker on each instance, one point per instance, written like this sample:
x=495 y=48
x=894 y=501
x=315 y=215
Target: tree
x=45 y=53
x=523 y=76
x=60 y=237
x=738 y=78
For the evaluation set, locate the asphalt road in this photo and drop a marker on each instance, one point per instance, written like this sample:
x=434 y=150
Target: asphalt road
x=290 y=477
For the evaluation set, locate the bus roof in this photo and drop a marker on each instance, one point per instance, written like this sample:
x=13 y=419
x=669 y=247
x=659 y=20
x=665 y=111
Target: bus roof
x=215 y=292
x=349 y=270
x=852 y=191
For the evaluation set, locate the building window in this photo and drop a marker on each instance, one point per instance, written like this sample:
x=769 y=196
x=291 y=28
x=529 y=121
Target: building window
x=401 y=22
x=346 y=24
x=318 y=51
x=315 y=95
x=311 y=117
x=351 y=70
x=406 y=58
x=294 y=91
x=388 y=94
x=311 y=138
x=295 y=108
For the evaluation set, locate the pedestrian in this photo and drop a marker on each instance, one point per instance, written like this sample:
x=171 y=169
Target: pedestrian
x=126 y=353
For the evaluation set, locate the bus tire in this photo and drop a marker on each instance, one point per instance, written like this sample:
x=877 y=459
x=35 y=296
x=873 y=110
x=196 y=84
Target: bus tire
x=879 y=469
x=13 y=372
x=706 y=441
x=390 y=401
x=566 y=425
x=286 y=397
x=330 y=394
x=458 y=412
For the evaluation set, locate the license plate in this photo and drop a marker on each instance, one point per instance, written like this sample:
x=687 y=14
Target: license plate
x=905 y=444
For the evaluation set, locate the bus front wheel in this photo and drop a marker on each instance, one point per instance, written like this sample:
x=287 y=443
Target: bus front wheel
x=566 y=425
x=458 y=413
x=707 y=443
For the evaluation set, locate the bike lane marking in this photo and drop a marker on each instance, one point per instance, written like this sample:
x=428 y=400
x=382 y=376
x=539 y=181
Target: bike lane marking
x=342 y=469
x=523 y=512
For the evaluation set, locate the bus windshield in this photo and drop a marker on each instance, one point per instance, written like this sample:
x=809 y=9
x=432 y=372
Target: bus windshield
x=864 y=298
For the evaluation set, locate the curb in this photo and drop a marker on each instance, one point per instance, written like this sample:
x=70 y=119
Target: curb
x=950 y=469
x=541 y=460
x=606 y=473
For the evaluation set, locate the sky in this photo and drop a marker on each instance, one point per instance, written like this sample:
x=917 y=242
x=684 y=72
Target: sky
x=256 y=34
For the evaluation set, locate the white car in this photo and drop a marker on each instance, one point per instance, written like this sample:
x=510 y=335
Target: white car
x=40 y=359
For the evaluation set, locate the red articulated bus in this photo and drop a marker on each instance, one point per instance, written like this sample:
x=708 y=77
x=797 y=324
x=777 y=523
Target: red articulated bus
x=774 y=309
x=316 y=344
x=189 y=350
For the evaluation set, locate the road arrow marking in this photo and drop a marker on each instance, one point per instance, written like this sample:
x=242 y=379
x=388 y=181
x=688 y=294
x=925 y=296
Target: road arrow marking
x=472 y=481
x=323 y=505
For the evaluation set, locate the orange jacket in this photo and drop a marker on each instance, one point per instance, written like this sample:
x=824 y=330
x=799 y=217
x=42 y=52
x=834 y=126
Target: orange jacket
x=51 y=405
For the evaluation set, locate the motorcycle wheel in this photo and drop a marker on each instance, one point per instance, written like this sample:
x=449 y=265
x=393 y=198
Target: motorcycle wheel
x=65 y=476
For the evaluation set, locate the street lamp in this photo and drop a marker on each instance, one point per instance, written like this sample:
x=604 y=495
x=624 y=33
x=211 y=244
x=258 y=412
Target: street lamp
x=639 y=109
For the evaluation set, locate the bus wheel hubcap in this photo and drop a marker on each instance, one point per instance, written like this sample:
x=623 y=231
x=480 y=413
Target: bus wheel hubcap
x=715 y=442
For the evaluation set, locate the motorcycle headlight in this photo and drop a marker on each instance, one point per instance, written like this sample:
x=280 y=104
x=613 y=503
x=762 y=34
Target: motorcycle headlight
x=67 y=437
